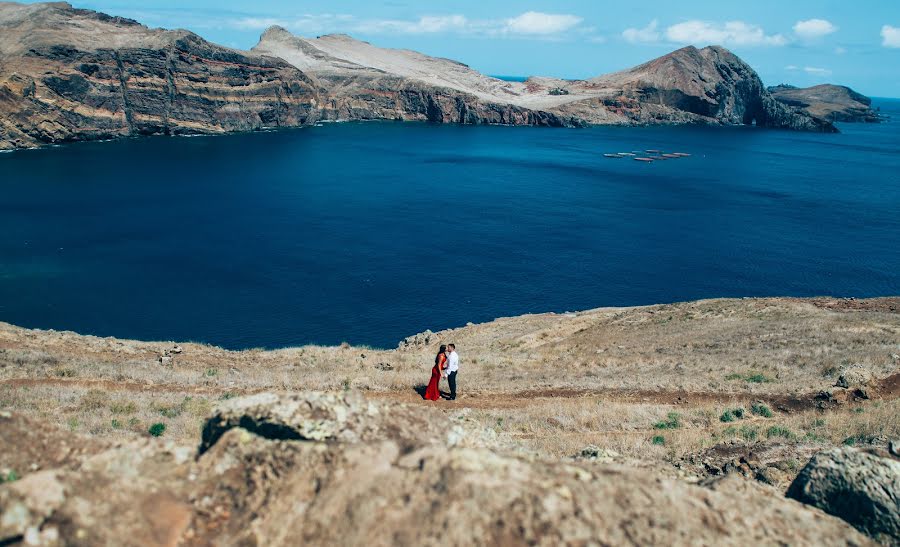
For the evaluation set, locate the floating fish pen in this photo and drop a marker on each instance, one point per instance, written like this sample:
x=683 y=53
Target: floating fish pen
x=645 y=160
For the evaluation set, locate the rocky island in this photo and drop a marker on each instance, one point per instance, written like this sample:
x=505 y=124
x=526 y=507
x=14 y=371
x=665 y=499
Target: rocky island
x=835 y=103
x=71 y=74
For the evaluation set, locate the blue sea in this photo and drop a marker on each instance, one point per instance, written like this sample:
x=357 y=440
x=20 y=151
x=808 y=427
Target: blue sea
x=370 y=232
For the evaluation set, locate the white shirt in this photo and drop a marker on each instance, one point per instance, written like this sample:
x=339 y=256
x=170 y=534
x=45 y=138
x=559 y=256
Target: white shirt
x=453 y=362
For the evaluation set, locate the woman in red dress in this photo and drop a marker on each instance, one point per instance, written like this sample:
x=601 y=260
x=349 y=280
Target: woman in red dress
x=440 y=363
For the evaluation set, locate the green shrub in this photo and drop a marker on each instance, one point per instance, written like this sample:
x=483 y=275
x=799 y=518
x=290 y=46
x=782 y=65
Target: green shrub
x=850 y=441
x=169 y=411
x=9 y=476
x=157 y=429
x=778 y=431
x=758 y=379
x=116 y=424
x=748 y=432
x=658 y=439
x=672 y=421
x=761 y=409
x=754 y=378
x=212 y=372
x=226 y=396
x=732 y=414
x=118 y=407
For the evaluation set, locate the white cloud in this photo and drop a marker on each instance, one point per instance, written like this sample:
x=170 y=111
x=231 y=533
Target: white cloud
x=424 y=25
x=814 y=28
x=890 y=36
x=735 y=33
x=644 y=35
x=303 y=24
x=528 y=24
x=840 y=50
x=811 y=70
x=535 y=22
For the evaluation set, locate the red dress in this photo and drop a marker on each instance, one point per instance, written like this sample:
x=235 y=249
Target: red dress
x=433 y=393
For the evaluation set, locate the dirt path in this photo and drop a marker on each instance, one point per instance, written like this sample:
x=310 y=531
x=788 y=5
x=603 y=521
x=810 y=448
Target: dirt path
x=888 y=387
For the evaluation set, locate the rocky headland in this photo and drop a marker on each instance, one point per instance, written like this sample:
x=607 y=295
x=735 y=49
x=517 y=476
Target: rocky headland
x=835 y=103
x=70 y=74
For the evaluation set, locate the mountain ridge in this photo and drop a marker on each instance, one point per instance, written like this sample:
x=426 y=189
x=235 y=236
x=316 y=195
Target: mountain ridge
x=70 y=74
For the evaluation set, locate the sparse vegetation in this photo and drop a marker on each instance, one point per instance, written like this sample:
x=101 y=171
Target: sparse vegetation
x=732 y=414
x=752 y=378
x=672 y=421
x=777 y=431
x=8 y=475
x=157 y=429
x=635 y=355
x=760 y=409
x=212 y=372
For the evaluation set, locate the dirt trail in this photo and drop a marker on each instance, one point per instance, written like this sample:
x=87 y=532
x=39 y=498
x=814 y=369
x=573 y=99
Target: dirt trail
x=887 y=387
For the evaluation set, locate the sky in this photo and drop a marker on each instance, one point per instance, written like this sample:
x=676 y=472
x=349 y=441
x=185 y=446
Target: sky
x=799 y=42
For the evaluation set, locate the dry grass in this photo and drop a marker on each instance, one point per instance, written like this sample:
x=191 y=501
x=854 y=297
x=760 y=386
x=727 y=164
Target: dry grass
x=729 y=351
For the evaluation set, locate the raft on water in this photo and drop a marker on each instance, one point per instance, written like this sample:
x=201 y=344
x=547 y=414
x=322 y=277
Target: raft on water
x=611 y=156
x=645 y=160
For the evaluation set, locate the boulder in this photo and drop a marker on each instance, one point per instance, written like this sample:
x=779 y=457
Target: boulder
x=323 y=417
x=856 y=376
x=859 y=487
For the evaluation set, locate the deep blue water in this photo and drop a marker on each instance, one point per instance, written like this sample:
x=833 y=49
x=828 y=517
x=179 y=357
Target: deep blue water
x=371 y=232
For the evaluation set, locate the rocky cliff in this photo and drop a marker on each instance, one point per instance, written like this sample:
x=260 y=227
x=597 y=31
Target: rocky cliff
x=709 y=85
x=835 y=103
x=71 y=74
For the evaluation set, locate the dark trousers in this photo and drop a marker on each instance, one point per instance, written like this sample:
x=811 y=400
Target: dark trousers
x=451 y=379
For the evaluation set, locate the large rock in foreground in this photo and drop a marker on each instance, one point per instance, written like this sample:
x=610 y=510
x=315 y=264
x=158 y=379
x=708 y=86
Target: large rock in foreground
x=339 y=470
x=861 y=488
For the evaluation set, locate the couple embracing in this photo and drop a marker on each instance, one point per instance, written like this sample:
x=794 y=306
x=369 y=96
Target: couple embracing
x=446 y=365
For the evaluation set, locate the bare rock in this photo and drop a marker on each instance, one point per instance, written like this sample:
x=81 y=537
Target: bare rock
x=375 y=494
x=419 y=340
x=856 y=376
x=346 y=417
x=859 y=487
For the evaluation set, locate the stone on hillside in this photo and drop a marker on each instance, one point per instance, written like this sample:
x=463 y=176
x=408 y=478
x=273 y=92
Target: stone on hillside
x=313 y=416
x=859 y=487
x=854 y=377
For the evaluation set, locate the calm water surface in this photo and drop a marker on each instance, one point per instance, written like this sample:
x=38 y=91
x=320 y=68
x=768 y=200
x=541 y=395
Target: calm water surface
x=372 y=232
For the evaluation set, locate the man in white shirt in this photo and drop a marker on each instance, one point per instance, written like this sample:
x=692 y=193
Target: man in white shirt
x=452 y=369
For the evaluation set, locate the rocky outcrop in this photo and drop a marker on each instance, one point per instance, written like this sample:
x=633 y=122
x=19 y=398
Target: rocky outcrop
x=70 y=74
x=859 y=487
x=835 y=103
x=352 y=474
x=709 y=85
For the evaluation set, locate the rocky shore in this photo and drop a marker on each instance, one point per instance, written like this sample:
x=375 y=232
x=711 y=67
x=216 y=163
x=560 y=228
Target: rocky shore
x=71 y=74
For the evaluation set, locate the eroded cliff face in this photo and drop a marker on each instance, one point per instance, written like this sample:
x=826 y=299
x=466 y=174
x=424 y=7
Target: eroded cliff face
x=70 y=74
